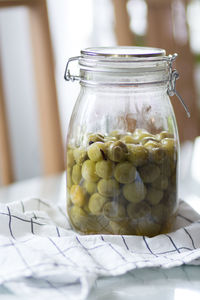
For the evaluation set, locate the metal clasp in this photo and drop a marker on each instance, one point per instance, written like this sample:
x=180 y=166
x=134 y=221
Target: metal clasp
x=173 y=76
x=67 y=74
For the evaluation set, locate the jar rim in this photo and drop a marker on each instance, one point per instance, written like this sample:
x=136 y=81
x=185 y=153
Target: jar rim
x=123 y=52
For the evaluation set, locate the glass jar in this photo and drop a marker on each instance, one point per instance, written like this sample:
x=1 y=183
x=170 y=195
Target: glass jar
x=123 y=144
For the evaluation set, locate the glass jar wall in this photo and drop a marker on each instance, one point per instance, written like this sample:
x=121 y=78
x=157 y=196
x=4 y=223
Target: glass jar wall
x=122 y=145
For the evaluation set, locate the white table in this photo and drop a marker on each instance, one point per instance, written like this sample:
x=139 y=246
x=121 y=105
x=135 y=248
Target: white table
x=178 y=283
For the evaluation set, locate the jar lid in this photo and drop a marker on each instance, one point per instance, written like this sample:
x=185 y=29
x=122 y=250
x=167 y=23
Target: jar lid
x=124 y=52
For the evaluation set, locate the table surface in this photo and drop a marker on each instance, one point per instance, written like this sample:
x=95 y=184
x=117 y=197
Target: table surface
x=178 y=283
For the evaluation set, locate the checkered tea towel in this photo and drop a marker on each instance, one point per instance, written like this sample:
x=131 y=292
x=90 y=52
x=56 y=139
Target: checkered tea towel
x=41 y=256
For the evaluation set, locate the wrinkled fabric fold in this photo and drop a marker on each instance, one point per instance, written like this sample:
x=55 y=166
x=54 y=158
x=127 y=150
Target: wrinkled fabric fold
x=39 y=250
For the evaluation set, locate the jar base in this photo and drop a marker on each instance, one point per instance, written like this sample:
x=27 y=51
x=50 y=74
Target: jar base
x=89 y=225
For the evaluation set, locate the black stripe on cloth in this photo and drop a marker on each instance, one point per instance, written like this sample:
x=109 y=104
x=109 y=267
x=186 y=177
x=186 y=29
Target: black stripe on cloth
x=65 y=215
x=55 y=287
x=147 y=245
x=61 y=252
x=183 y=217
x=100 y=267
x=171 y=251
x=125 y=242
x=9 y=224
x=24 y=220
x=76 y=247
x=41 y=201
x=171 y=240
x=16 y=242
x=32 y=226
x=115 y=250
x=186 y=231
x=58 y=232
x=21 y=256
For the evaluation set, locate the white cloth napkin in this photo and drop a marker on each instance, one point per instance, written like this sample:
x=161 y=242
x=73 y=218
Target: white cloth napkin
x=39 y=250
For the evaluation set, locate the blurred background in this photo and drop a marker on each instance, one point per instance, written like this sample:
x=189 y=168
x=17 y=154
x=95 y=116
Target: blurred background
x=36 y=39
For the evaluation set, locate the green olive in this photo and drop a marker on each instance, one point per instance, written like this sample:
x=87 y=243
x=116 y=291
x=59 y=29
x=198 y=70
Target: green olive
x=108 y=187
x=165 y=168
x=97 y=151
x=154 y=196
x=128 y=139
x=174 y=178
x=135 y=191
x=96 y=203
x=89 y=171
x=156 y=153
x=149 y=172
x=95 y=137
x=77 y=194
x=90 y=186
x=70 y=158
x=158 y=213
x=168 y=144
x=138 y=211
x=76 y=174
x=116 y=133
x=120 y=228
x=110 y=139
x=148 y=228
x=141 y=134
x=104 y=168
x=161 y=183
x=69 y=178
x=164 y=134
x=80 y=155
x=117 y=151
x=103 y=224
x=114 y=210
x=77 y=216
x=147 y=139
x=170 y=201
x=125 y=172
x=138 y=155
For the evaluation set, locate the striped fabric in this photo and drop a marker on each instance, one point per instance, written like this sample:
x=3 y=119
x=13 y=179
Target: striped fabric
x=37 y=244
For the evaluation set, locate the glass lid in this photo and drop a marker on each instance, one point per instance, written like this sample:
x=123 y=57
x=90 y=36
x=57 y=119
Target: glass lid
x=124 y=51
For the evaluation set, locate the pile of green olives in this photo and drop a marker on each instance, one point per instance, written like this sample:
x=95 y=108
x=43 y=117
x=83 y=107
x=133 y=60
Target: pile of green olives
x=123 y=183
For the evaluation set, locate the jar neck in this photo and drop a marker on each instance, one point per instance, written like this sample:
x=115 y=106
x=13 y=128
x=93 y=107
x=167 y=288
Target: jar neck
x=124 y=74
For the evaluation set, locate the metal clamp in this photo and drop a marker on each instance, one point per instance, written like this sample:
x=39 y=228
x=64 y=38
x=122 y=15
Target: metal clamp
x=67 y=75
x=173 y=76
